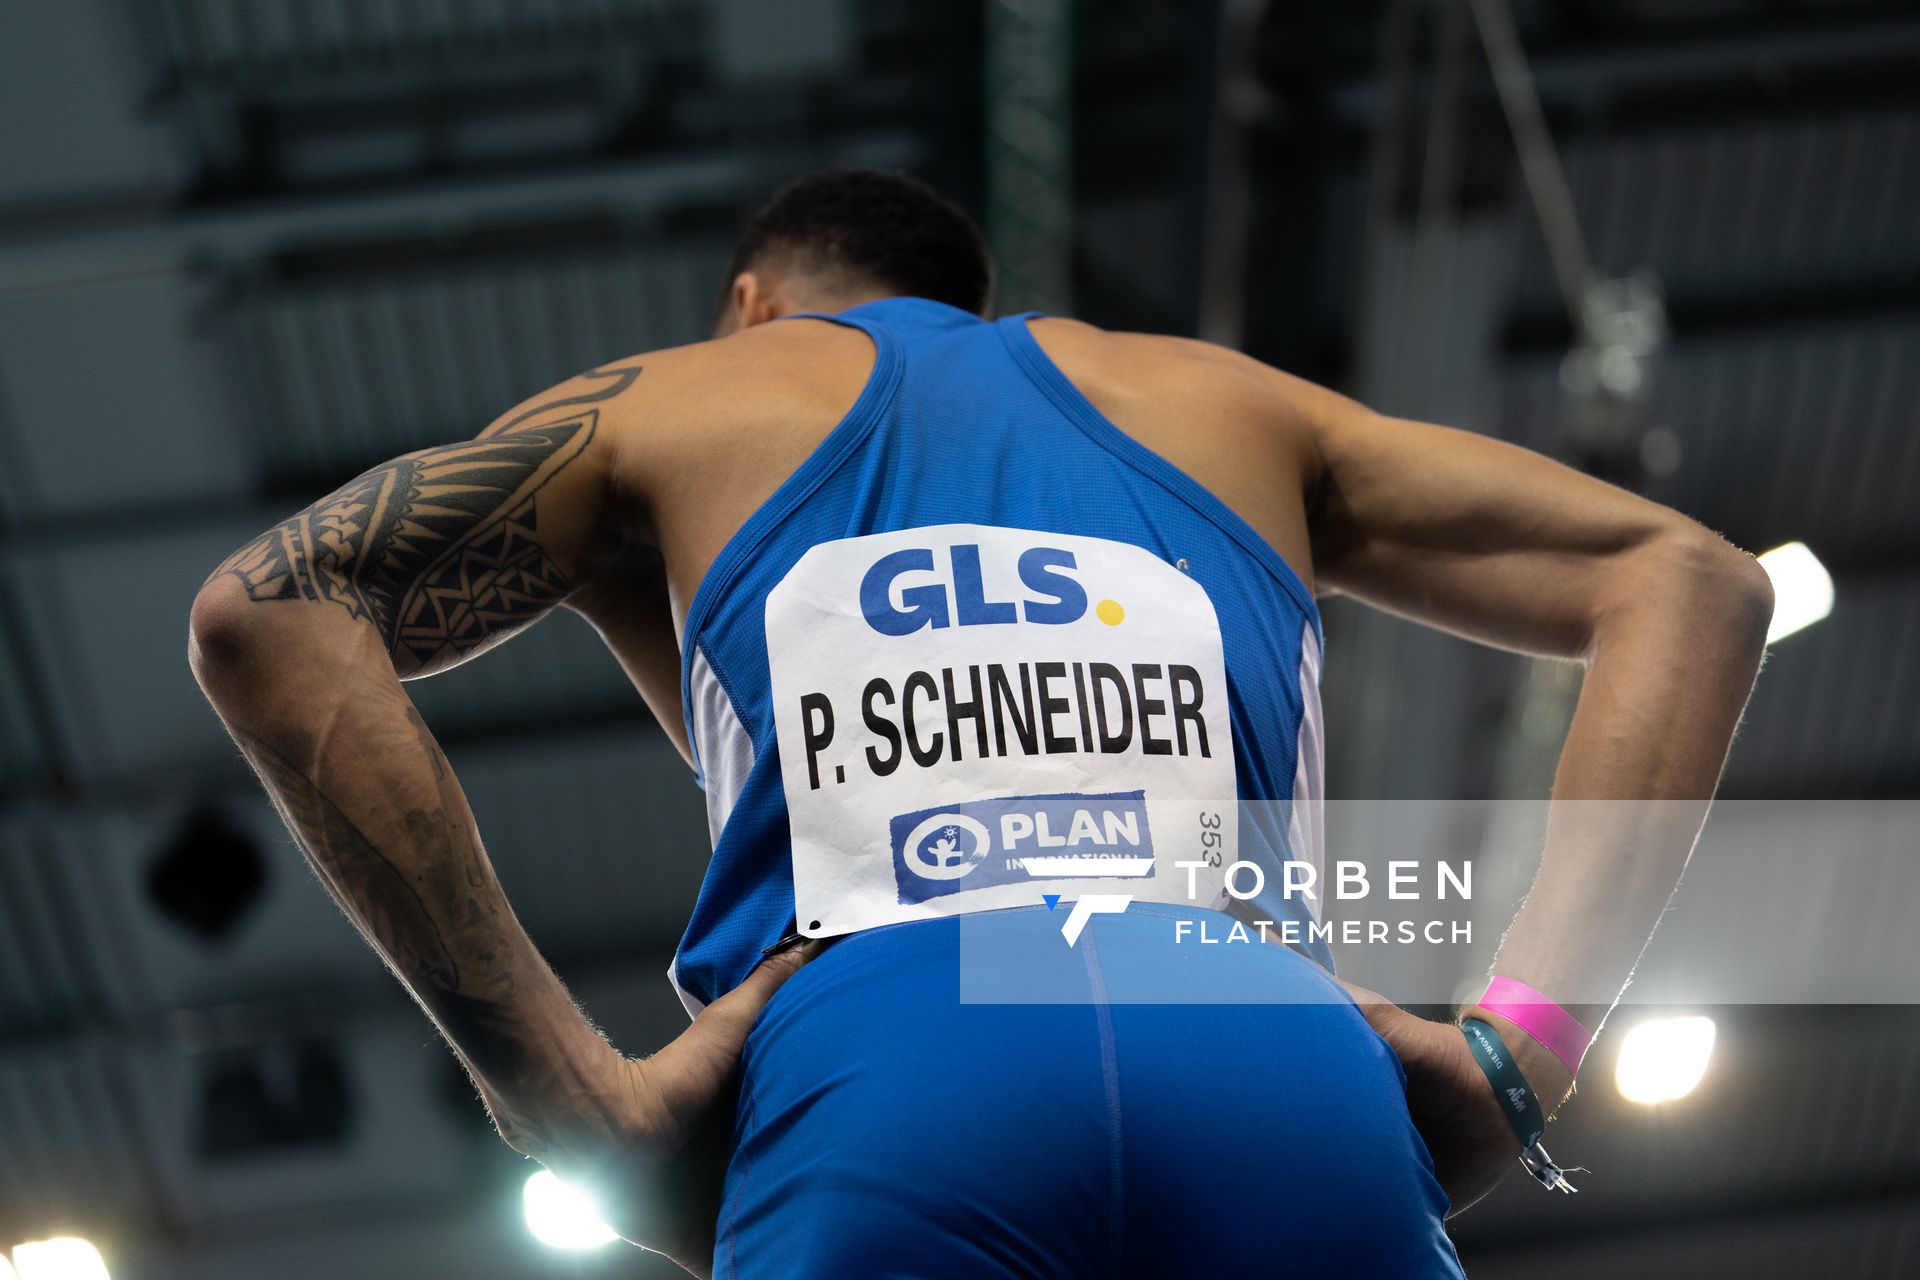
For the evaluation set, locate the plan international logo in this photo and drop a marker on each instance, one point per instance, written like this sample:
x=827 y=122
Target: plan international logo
x=1022 y=838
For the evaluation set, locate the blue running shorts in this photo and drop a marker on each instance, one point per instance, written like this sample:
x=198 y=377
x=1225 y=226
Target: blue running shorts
x=887 y=1128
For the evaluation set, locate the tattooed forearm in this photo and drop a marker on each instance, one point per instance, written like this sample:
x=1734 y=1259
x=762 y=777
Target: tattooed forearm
x=451 y=902
x=439 y=554
x=379 y=897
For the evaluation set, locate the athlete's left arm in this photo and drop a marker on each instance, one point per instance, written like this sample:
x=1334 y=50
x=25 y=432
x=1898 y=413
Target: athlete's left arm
x=301 y=641
x=1509 y=548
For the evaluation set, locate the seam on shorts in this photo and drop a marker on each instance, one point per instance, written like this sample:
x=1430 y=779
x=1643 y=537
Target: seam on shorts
x=1110 y=1075
x=744 y=1128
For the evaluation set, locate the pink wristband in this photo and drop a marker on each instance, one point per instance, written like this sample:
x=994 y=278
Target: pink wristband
x=1539 y=1017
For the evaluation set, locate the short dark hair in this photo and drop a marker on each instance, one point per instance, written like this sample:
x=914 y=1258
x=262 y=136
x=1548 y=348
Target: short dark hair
x=872 y=227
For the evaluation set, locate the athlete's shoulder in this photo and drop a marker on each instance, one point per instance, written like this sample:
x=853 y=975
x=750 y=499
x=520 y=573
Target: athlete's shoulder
x=1192 y=386
x=778 y=360
x=703 y=392
x=1132 y=365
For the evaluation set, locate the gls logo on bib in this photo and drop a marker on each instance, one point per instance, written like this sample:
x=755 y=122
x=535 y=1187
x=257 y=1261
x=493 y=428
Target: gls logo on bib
x=1060 y=599
x=967 y=714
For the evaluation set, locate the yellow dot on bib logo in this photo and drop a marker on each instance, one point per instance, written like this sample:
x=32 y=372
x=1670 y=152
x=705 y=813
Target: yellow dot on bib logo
x=1109 y=612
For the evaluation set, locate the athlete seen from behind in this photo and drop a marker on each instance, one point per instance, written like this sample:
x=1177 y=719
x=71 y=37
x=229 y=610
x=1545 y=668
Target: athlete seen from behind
x=895 y=579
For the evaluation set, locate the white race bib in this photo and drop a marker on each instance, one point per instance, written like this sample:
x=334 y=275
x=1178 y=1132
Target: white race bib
x=972 y=717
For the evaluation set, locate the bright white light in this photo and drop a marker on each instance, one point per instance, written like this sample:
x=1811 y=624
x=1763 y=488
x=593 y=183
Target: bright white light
x=1802 y=589
x=1664 y=1059
x=62 y=1258
x=563 y=1216
x=6 y=1269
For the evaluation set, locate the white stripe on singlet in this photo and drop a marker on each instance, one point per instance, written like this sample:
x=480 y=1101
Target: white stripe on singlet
x=1306 y=834
x=723 y=753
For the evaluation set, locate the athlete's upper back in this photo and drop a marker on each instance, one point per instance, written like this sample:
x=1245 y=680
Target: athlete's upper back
x=982 y=646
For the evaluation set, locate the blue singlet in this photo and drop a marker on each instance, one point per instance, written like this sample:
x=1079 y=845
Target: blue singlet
x=980 y=656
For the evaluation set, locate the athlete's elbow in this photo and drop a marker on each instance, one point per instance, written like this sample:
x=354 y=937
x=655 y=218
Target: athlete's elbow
x=238 y=660
x=1693 y=575
x=1729 y=590
x=220 y=629
x=237 y=645
x=1752 y=606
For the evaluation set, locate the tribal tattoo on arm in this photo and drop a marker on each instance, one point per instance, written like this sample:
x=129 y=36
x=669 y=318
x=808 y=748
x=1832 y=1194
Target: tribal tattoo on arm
x=443 y=550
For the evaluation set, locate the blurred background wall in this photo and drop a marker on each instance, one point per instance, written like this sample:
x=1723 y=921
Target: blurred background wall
x=248 y=247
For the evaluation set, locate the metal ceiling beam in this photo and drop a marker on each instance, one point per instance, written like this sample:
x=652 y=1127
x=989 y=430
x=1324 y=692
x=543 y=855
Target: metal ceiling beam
x=1703 y=317
x=155 y=245
x=1587 y=75
x=294 y=1012
x=231 y=776
x=1239 y=102
x=1030 y=152
x=1900 y=1192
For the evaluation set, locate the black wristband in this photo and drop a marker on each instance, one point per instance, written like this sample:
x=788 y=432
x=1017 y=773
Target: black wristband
x=1510 y=1087
x=1517 y=1102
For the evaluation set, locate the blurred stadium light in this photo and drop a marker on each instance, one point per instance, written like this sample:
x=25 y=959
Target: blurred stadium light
x=563 y=1216
x=61 y=1258
x=1802 y=589
x=1664 y=1059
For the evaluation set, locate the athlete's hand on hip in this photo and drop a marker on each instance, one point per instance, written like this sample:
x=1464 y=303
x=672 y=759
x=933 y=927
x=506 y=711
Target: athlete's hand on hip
x=1451 y=1102
x=651 y=1136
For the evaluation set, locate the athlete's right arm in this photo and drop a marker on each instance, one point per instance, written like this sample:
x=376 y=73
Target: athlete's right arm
x=1504 y=546
x=301 y=640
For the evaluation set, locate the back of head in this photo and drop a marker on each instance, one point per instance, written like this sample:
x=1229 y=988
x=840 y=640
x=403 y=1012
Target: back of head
x=854 y=232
